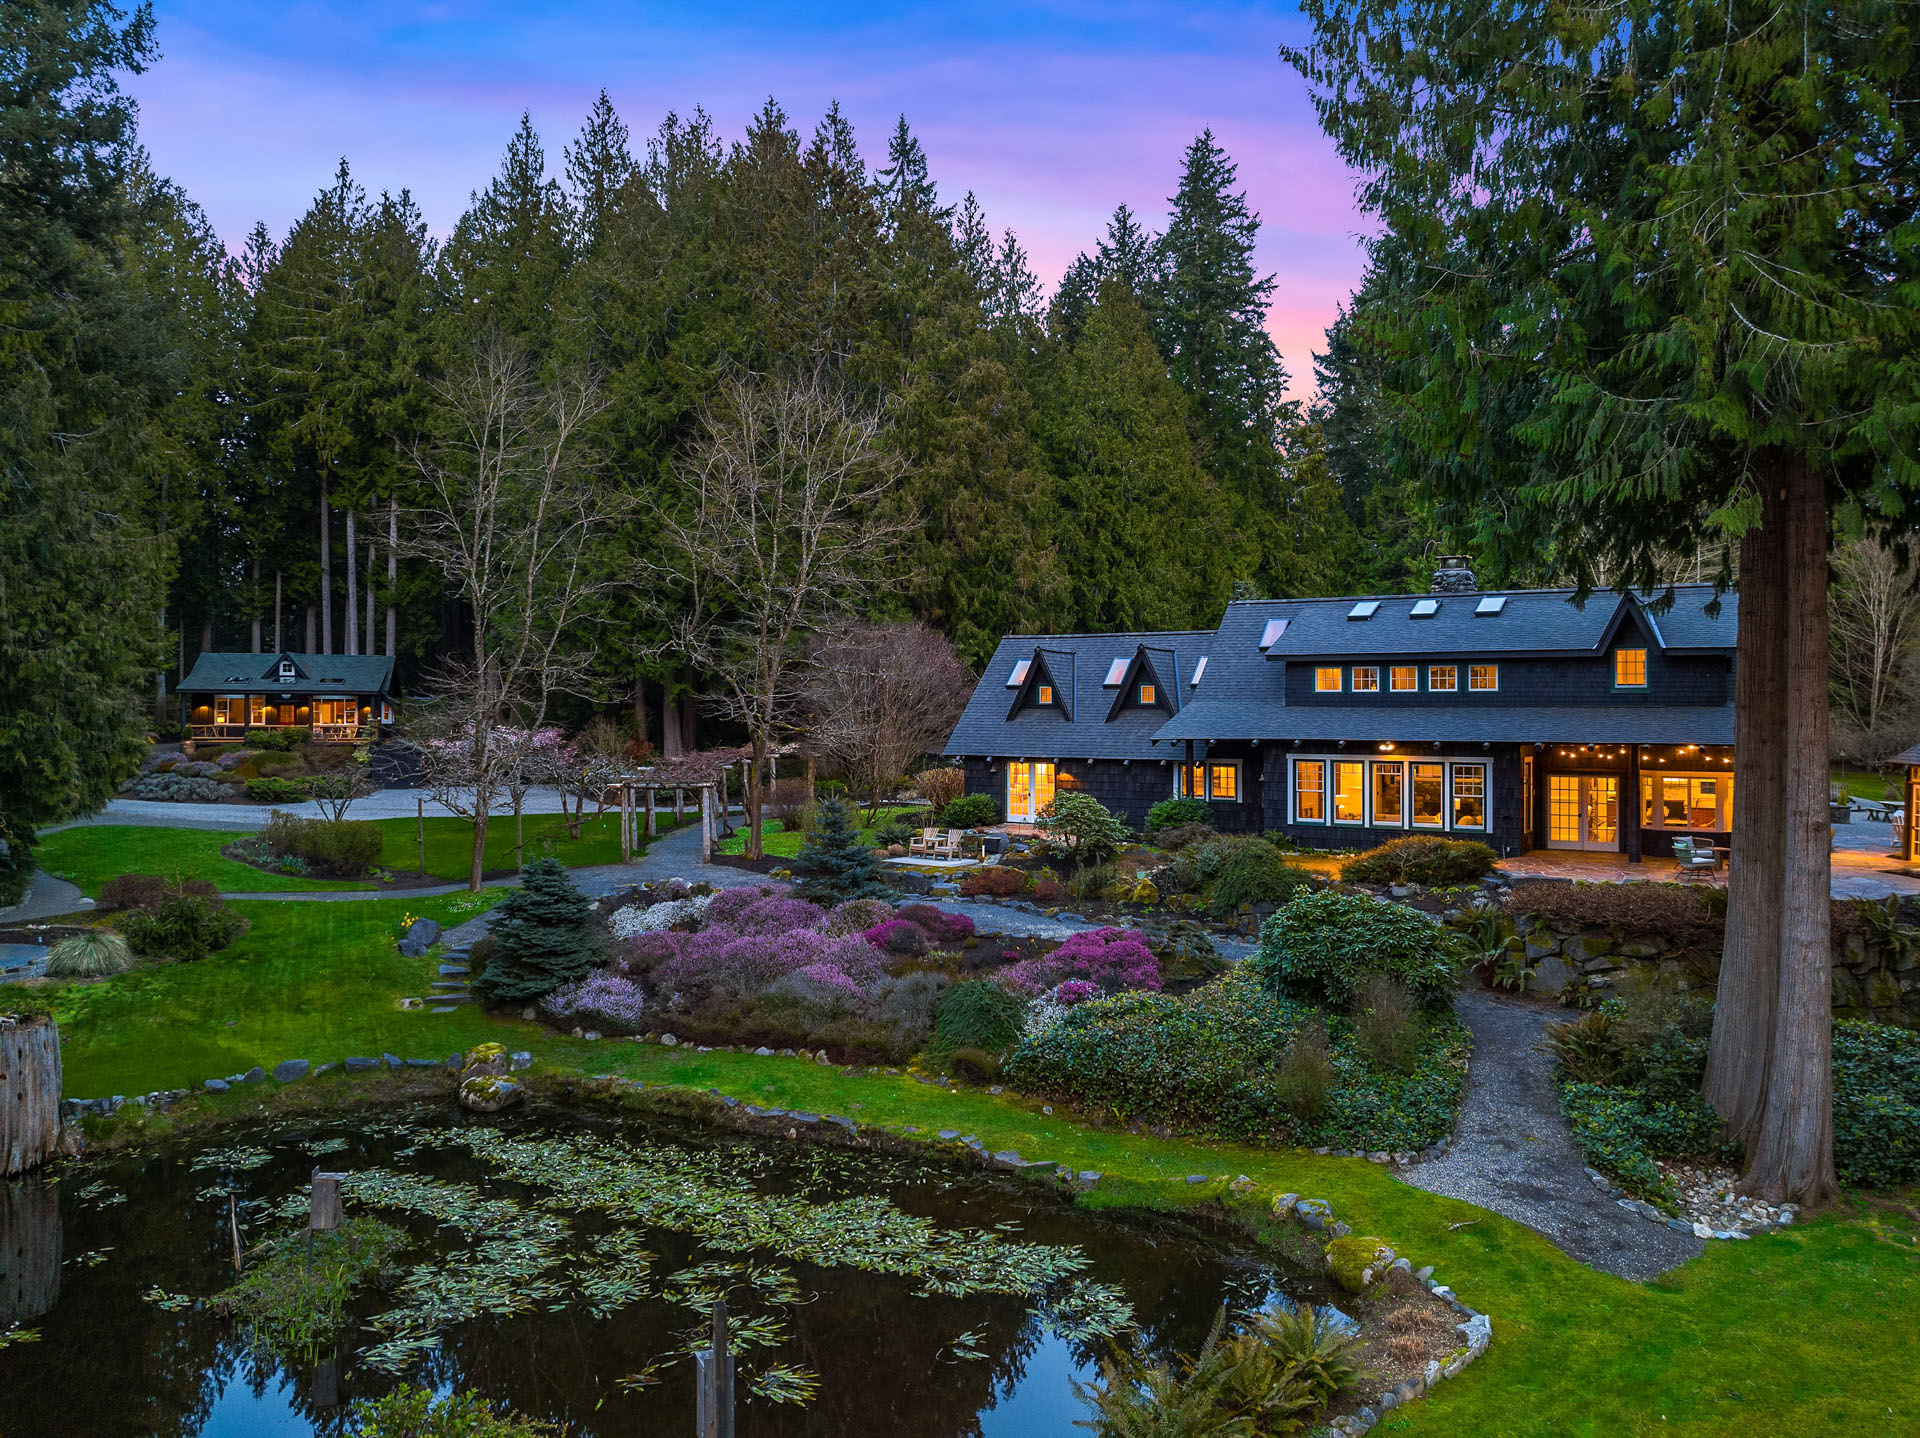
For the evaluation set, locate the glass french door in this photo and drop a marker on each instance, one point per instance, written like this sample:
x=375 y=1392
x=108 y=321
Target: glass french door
x=1029 y=791
x=1583 y=811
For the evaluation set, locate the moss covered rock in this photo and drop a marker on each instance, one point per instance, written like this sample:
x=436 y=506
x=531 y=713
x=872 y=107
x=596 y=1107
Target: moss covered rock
x=1356 y=1262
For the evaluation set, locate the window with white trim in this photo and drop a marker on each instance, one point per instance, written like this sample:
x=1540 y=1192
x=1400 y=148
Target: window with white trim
x=1046 y=694
x=1469 y=796
x=1443 y=678
x=1389 y=794
x=1310 y=791
x=1483 y=676
x=1405 y=678
x=1366 y=679
x=1223 y=782
x=1146 y=693
x=1349 y=791
x=1427 y=785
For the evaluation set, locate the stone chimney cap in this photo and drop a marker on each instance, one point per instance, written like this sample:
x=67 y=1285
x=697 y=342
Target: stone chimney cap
x=1455 y=575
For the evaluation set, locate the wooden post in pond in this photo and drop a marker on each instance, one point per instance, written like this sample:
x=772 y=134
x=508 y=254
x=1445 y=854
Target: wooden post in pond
x=652 y=823
x=29 y=1092
x=420 y=818
x=324 y=1209
x=713 y=1376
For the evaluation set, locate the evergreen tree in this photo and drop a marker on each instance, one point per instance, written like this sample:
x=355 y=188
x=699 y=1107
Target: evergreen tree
x=1128 y=252
x=904 y=185
x=85 y=366
x=837 y=865
x=503 y=265
x=599 y=165
x=540 y=937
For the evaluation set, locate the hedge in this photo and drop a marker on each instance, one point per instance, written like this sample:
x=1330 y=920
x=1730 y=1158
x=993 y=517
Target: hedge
x=1421 y=859
x=1321 y=947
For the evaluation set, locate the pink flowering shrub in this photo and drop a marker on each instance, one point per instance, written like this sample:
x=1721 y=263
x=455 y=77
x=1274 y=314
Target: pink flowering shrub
x=941 y=926
x=1111 y=959
x=857 y=916
x=1076 y=991
x=776 y=916
x=901 y=937
x=728 y=904
x=602 y=1000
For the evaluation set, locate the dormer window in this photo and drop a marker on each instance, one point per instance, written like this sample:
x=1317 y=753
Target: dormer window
x=286 y=670
x=1045 y=694
x=1147 y=692
x=1630 y=668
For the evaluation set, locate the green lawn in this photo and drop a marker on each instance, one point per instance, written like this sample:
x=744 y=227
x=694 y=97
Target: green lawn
x=94 y=853
x=777 y=842
x=1804 y=1332
x=1869 y=785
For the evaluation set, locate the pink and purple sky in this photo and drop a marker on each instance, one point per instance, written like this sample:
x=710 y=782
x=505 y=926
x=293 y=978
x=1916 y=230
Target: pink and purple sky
x=1051 y=114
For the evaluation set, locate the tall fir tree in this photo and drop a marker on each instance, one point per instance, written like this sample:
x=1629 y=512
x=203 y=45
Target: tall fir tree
x=502 y=267
x=599 y=165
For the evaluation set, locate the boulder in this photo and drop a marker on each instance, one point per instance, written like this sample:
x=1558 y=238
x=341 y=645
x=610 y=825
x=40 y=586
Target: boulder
x=484 y=1061
x=1356 y=1263
x=290 y=1070
x=421 y=935
x=489 y=1093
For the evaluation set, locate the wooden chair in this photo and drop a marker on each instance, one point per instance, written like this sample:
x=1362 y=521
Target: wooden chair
x=949 y=844
x=924 y=846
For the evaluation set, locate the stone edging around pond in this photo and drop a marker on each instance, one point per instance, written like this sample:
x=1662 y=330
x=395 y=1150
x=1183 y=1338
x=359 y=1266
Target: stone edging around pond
x=1314 y=1215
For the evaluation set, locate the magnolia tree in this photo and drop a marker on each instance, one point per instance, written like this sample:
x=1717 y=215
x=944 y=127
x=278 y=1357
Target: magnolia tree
x=506 y=763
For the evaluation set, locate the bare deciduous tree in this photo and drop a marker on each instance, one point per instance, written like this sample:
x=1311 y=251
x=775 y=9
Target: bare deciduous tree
x=781 y=520
x=1875 y=618
x=881 y=695
x=509 y=517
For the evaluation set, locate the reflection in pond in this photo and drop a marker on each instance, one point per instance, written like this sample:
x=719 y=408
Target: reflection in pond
x=564 y=1268
x=29 y=1249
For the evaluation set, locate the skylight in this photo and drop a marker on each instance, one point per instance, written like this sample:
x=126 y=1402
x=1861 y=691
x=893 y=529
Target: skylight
x=1116 y=671
x=1364 y=609
x=1019 y=673
x=1271 y=634
x=1198 y=670
x=1425 y=608
x=1492 y=604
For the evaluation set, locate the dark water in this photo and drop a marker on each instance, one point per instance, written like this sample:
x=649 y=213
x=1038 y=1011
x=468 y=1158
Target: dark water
x=82 y=1250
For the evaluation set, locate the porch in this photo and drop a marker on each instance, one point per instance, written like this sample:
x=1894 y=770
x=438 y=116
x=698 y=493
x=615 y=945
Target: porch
x=232 y=717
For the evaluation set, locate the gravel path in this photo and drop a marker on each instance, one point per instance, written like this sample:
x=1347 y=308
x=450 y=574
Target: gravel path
x=1511 y=1151
x=46 y=896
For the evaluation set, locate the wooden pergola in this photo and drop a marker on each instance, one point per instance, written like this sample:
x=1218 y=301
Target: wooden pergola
x=1910 y=759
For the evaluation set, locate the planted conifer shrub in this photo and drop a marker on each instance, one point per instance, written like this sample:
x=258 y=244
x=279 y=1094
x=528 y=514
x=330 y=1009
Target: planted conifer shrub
x=977 y=1014
x=540 y=937
x=837 y=865
x=1322 y=947
x=1421 y=859
x=970 y=811
x=1173 y=813
x=189 y=923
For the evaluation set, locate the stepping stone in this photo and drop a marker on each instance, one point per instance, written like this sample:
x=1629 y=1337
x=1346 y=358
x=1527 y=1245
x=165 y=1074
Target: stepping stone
x=361 y=1065
x=256 y=1074
x=441 y=1009
x=391 y=1061
x=451 y=985
x=948 y=1135
x=423 y=1063
x=450 y=971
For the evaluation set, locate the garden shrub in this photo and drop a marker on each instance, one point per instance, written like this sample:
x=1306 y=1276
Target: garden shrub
x=905 y=1007
x=178 y=789
x=784 y=800
x=1674 y=911
x=970 y=811
x=940 y=787
x=345 y=847
x=410 y=1412
x=996 y=881
x=979 y=1014
x=186 y=924
x=856 y=916
x=479 y=955
x=540 y=937
x=96 y=954
x=1092 y=881
x=1386 y=1023
x=902 y=938
x=1588 y=1050
x=1255 y=873
x=1174 y=813
x=273 y=790
x=1306 y=1072
x=1222 y=1059
x=1045 y=891
x=133 y=891
x=1321 y=947
x=1112 y=959
x=604 y=1001
x=1080 y=829
x=1421 y=859
x=975 y=1065
x=837 y=865
x=1621 y=1131
x=941 y=926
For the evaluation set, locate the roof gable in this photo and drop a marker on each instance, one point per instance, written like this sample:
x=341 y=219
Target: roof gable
x=1151 y=664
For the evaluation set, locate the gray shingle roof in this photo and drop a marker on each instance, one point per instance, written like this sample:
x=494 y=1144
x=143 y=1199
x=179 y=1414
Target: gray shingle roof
x=985 y=728
x=1538 y=621
x=319 y=674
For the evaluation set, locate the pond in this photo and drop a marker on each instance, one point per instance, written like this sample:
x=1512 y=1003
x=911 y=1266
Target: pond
x=565 y=1266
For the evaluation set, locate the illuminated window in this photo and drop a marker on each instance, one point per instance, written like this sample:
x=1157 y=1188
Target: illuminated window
x=1224 y=782
x=1630 y=668
x=1349 y=791
x=1389 y=791
x=1443 y=677
x=1326 y=681
x=1483 y=676
x=1191 y=782
x=1046 y=694
x=1310 y=791
x=1405 y=678
x=1469 y=796
x=1700 y=802
x=1429 y=785
x=1146 y=694
x=1366 y=679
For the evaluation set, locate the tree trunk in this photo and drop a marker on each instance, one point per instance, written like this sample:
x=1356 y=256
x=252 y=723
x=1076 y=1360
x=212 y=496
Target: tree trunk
x=393 y=573
x=368 y=648
x=1749 y=985
x=310 y=639
x=479 y=866
x=671 y=734
x=1792 y=1153
x=206 y=637
x=160 y=678
x=640 y=709
x=519 y=836
x=326 y=573
x=812 y=774
x=278 y=605
x=353 y=589
x=689 y=725
x=30 y=1237
x=255 y=606
x=752 y=795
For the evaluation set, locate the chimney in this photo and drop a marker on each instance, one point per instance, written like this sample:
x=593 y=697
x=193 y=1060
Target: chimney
x=1454 y=576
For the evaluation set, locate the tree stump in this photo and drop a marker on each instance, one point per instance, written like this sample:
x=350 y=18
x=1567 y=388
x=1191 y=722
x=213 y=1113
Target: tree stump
x=29 y=1092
